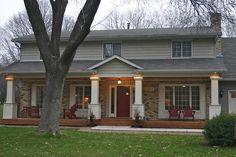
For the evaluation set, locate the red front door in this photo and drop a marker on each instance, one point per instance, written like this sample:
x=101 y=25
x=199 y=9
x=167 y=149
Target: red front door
x=123 y=101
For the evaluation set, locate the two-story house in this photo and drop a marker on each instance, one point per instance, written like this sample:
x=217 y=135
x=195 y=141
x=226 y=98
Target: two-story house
x=117 y=73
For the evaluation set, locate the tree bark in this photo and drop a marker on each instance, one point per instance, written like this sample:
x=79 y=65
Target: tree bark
x=50 y=114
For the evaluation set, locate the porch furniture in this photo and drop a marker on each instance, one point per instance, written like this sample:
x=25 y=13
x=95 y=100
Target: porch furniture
x=174 y=113
x=30 y=111
x=188 y=113
x=70 y=113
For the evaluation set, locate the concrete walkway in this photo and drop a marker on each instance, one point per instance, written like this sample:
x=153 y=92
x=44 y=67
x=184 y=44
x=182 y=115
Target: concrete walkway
x=146 y=130
x=126 y=129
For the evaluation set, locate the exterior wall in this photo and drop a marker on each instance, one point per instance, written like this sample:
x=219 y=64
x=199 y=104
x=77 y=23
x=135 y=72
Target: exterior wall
x=140 y=49
x=225 y=86
x=151 y=93
x=150 y=98
x=115 y=67
x=26 y=91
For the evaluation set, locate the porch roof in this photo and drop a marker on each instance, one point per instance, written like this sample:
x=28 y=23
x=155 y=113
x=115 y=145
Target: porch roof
x=158 y=65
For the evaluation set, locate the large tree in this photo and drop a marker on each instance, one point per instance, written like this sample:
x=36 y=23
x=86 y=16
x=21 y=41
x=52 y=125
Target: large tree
x=57 y=63
x=19 y=25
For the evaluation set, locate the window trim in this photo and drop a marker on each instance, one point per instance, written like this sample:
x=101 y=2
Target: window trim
x=181 y=57
x=112 y=42
x=190 y=94
x=34 y=94
x=72 y=99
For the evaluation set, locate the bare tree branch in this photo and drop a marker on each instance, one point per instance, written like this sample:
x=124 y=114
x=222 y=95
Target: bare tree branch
x=80 y=31
x=39 y=29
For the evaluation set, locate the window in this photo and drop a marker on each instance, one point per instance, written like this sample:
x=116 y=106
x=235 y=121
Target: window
x=83 y=96
x=181 y=49
x=111 y=49
x=182 y=97
x=39 y=95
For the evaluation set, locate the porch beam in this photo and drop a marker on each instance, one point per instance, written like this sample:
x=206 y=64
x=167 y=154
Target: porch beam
x=10 y=108
x=138 y=106
x=215 y=107
x=95 y=107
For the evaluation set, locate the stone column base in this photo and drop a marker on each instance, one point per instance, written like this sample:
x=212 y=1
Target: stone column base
x=95 y=109
x=138 y=108
x=214 y=110
x=9 y=111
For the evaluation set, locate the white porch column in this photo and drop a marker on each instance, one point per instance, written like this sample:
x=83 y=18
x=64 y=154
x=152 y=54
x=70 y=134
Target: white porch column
x=215 y=107
x=95 y=107
x=10 y=108
x=138 y=106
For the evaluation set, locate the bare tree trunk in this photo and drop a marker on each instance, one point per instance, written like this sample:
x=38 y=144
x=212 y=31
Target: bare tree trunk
x=50 y=113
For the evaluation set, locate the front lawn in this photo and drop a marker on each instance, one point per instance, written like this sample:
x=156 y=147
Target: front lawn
x=73 y=143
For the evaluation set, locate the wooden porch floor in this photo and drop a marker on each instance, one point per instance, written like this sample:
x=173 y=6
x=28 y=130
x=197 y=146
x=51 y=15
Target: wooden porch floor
x=111 y=122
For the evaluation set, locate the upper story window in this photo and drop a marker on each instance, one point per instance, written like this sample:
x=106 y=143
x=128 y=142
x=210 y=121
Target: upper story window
x=111 y=49
x=181 y=49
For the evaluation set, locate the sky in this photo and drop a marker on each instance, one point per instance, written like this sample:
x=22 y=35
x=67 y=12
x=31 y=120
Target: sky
x=10 y=7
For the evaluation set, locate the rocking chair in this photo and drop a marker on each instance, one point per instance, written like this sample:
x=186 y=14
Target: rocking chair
x=70 y=113
x=174 y=113
x=188 y=113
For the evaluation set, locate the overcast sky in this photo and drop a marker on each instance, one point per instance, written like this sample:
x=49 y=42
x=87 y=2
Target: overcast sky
x=10 y=7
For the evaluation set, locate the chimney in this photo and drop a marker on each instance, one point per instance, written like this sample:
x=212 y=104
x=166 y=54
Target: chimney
x=216 y=21
x=128 y=25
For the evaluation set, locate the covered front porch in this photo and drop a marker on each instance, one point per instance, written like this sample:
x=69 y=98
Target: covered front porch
x=118 y=97
x=118 y=88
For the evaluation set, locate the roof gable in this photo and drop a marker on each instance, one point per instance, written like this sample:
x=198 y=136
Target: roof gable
x=113 y=58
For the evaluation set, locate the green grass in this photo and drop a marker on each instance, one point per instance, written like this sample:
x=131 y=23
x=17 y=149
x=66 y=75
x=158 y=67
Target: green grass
x=73 y=143
x=1 y=110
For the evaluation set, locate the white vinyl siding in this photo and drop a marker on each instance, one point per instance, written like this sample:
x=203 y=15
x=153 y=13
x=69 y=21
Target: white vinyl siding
x=115 y=67
x=152 y=49
x=89 y=51
x=203 y=48
x=139 y=49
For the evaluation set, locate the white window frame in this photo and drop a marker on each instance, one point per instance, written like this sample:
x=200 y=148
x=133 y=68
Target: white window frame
x=34 y=94
x=111 y=42
x=164 y=114
x=73 y=92
x=229 y=97
x=181 y=57
x=190 y=94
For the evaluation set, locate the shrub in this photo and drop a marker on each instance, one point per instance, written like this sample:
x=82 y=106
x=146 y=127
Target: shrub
x=220 y=130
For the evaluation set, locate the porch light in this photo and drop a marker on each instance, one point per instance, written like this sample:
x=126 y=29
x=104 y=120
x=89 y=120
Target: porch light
x=183 y=86
x=119 y=81
x=9 y=77
x=215 y=76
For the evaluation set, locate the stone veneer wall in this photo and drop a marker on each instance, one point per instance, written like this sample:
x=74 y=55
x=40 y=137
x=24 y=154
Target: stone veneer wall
x=102 y=98
x=151 y=93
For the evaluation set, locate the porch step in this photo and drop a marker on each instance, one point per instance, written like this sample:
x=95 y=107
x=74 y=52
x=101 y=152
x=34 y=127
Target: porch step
x=115 y=122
